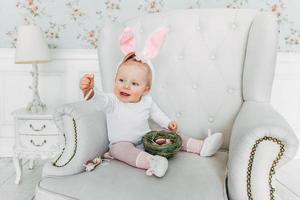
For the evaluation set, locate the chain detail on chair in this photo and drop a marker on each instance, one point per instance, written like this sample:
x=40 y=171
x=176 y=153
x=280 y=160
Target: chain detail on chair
x=272 y=170
x=75 y=148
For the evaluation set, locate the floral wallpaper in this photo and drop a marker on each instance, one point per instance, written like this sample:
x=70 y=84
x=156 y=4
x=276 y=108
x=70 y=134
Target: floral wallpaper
x=75 y=23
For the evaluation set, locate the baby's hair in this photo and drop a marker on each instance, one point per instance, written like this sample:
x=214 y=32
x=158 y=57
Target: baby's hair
x=130 y=57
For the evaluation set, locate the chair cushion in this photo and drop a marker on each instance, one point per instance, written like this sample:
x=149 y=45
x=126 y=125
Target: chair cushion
x=189 y=177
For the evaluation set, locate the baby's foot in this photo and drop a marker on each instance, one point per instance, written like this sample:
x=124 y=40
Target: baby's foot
x=211 y=144
x=91 y=164
x=158 y=166
x=107 y=155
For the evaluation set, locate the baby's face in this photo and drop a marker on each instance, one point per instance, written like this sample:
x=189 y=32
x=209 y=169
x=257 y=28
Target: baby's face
x=132 y=82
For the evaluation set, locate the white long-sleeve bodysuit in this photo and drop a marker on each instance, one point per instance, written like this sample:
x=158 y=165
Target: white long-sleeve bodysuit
x=128 y=121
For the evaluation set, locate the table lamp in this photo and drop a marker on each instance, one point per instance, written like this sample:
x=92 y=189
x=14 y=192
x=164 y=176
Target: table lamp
x=32 y=49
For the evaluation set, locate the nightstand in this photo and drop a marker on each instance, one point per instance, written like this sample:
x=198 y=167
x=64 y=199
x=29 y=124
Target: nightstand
x=36 y=137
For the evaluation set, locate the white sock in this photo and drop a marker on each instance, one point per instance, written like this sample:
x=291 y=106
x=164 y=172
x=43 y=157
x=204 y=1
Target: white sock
x=158 y=166
x=211 y=144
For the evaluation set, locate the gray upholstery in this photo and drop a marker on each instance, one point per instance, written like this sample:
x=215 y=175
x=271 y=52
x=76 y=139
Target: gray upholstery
x=215 y=71
x=87 y=121
x=120 y=181
x=256 y=120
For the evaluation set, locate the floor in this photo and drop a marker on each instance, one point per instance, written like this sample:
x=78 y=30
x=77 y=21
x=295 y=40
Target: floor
x=286 y=182
x=25 y=191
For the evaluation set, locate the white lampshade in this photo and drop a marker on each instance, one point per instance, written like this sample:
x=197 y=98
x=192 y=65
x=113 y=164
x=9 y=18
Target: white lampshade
x=31 y=46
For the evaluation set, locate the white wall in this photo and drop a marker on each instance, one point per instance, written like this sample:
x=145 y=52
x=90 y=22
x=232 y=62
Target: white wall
x=59 y=84
x=286 y=89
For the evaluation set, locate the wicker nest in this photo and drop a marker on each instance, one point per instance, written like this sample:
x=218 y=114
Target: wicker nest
x=168 y=149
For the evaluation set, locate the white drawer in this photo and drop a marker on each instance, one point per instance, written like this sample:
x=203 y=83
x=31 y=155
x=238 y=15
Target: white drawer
x=38 y=143
x=37 y=127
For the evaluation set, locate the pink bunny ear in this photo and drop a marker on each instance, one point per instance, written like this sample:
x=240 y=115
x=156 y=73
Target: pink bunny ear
x=127 y=41
x=155 y=42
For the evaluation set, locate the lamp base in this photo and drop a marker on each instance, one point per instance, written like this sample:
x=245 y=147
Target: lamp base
x=36 y=107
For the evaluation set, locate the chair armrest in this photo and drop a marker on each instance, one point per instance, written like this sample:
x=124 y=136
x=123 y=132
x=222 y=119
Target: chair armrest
x=83 y=130
x=261 y=141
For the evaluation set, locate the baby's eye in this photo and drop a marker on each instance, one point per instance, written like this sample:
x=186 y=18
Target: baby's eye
x=135 y=84
x=121 y=80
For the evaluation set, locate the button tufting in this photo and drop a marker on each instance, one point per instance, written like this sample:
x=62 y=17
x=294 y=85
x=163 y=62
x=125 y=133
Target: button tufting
x=230 y=90
x=233 y=26
x=178 y=114
x=180 y=57
x=211 y=119
x=213 y=56
x=195 y=86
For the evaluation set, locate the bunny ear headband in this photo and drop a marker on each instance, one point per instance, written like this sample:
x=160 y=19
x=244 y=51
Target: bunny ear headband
x=152 y=46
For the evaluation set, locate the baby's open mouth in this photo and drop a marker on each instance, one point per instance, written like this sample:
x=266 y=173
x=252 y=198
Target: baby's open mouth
x=124 y=94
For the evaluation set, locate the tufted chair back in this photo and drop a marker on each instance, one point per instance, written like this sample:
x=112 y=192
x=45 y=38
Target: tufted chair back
x=199 y=71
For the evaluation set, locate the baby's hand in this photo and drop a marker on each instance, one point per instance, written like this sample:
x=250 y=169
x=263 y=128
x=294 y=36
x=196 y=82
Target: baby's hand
x=172 y=126
x=87 y=84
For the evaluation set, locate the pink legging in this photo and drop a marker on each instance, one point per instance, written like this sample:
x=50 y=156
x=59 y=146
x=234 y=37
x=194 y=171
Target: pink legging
x=128 y=153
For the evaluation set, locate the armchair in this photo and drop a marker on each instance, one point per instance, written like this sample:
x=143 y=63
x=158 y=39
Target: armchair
x=215 y=71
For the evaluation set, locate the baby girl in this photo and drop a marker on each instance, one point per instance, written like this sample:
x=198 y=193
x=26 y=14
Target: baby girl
x=130 y=106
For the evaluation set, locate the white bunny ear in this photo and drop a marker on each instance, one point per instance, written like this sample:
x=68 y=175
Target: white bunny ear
x=127 y=41
x=155 y=42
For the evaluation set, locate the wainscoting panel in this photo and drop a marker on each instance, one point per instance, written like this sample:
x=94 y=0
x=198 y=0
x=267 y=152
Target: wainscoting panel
x=59 y=84
x=286 y=89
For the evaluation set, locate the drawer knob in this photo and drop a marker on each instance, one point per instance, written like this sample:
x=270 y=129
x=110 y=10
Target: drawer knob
x=42 y=128
x=38 y=145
